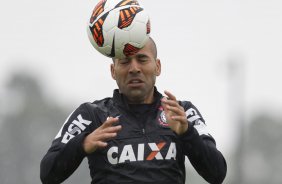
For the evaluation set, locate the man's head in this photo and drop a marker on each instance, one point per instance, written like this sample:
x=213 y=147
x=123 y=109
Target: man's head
x=136 y=75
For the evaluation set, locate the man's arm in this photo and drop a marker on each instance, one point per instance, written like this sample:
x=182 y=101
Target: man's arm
x=77 y=138
x=204 y=156
x=186 y=121
x=66 y=151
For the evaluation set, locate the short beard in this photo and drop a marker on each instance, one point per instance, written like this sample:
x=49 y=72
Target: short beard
x=135 y=97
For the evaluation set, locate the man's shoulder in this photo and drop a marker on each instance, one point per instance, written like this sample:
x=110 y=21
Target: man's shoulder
x=101 y=104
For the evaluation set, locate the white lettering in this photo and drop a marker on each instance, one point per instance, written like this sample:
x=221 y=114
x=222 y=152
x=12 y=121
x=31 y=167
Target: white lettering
x=80 y=122
x=110 y=153
x=154 y=147
x=67 y=137
x=201 y=127
x=192 y=115
x=72 y=129
x=76 y=127
x=140 y=155
x=171 y=153
x=127 y=154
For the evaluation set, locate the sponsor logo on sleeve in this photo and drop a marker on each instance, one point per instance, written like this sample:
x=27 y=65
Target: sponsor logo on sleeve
x=76 y=127
x=199 y=125
x=192 y=115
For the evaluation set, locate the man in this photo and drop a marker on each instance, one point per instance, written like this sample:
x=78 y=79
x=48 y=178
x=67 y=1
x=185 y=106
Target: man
x=137 y=136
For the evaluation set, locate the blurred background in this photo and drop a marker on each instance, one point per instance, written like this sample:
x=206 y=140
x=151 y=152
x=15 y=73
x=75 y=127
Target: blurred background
x=223 y=55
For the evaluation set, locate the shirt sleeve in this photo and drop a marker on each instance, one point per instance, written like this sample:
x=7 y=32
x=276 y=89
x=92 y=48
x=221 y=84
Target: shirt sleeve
x=66 y=152
x=200 y=147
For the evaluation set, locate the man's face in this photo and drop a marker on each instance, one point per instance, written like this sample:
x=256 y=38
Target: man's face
x=136 y=75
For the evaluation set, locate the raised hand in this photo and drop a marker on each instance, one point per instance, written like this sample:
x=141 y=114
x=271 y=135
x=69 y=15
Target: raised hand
x=97 y=139
x=175 y=114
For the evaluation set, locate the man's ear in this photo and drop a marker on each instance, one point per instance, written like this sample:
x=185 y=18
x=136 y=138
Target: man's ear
x=159 y=67
x=113 y=71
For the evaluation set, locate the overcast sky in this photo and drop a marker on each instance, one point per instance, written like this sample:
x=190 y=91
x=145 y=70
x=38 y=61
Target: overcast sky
x=196 y=41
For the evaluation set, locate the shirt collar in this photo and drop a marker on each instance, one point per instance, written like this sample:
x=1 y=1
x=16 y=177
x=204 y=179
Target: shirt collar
x=121 y=101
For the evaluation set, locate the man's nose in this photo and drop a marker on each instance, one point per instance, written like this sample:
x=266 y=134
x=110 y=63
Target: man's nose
x=134 y=66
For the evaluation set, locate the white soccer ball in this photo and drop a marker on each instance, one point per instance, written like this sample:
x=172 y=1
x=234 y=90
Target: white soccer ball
x=118 y=28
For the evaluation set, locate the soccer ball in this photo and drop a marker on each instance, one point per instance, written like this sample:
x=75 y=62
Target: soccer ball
x=118 y=28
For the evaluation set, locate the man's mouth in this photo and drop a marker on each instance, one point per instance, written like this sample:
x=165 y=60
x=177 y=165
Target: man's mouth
x=135 y=82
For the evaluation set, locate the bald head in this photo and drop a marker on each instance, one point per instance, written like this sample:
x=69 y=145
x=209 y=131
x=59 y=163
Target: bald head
x=152 y=45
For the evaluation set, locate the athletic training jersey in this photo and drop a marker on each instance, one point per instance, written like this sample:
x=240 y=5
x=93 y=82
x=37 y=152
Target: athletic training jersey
x=145 y=151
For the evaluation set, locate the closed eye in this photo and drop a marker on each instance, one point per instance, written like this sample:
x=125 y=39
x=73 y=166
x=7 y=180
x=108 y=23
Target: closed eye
x=124 y=61
x=142 y=57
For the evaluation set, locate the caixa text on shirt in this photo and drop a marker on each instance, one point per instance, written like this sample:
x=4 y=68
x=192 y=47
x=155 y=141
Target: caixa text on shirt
x=127 y=154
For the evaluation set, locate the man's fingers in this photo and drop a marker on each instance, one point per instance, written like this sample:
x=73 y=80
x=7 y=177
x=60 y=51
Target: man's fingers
x=109 y=122
x=108 y=126
x=180 y=119
x=170 y=102
x=106 y=136
x=176 y=110
x=100 y=144
x=170 y=95
x=91 y=143
x=98 y=138
x=173 y=106
x=111 y=129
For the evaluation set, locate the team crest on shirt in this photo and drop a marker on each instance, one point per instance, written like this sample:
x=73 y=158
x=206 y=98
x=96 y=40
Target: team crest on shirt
x=162 y=118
